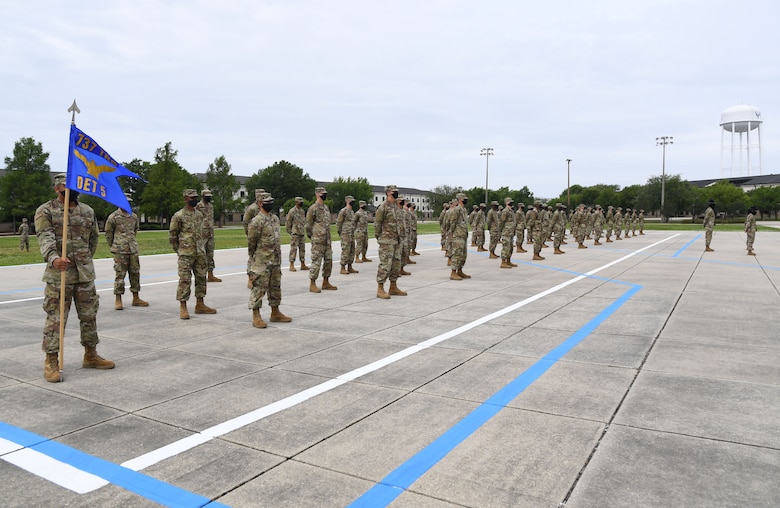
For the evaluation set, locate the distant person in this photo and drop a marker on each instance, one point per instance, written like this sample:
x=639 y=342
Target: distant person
x=249 y=213
x=24 y=232
x=121 y=229
x=79 y=271
x=750 y=229
x=207 y=209
x=709 y=224
x=459 y=231
x=641 y=219
x=345 y=227
x=411 y=209
x=296 y=228
x=506 y=225
x=387 y=230
x=361 y=233
x=520 y=227
x=493 y=228
x=558 y=223
x=479 y=228
x=318 y=229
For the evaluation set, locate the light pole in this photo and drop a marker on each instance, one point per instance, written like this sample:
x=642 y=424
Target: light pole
x=663 y=141
x=487 y=152
x=568 y=184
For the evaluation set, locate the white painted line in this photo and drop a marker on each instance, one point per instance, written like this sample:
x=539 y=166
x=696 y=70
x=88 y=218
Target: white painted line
x=55 y=471
x=7 y=446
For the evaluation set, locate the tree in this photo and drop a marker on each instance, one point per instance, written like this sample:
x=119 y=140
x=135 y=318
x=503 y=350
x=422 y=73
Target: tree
x=358 y=188
x=223 y=186
x=162 y=196
x=680 y=197
x=134 y=186
x=767 y=199
x=728 y=197
x=27 y=183
x=442 y=194
x=283 y=180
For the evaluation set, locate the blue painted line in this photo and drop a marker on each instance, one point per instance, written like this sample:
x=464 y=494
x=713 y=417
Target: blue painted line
x=686 y=246
x=139 y=483
x=399 y=480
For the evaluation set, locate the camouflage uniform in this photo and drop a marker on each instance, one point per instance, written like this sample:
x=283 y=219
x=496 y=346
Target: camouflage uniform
x=387 y=230
x=598 y=224
x=296 y=228
x=80 y=275
x=609 y=220
x=442 y=230
x=121 y=228
x=410 y=209
x=750 y=230
x=546 y=226
x=627 y=222
x=579 y=224
x=533 y=221
x=250 y=212
x=492 y=226
x=318 y=229
x=265 y=258
x=207 y=209
x=506 y=224
x=361 y=231
x=403 y=223
x=186 y=238
x=618 y=220
x=479 y=228
x=520 y=227
x=709 y=224
x=558 y=225
x=24 y=232
x=641 y=220
x=472 y=223
x=459 y=235
x=345 y=226
x=448 y=218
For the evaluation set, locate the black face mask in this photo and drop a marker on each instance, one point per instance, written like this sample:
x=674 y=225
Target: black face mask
x=363 y=207
x=352 y=204
x=268 y=207
x=74 y=195
x=395 y=195
x=298 y=205
x=192 y=202
x=207 y=199
x=324 y=196
x=511 y=204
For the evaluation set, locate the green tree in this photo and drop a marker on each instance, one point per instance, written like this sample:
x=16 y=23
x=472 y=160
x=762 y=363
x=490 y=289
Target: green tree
x=27 y=183
x=767 y=199
x=162 y=196
x=223 y=186
x=440 y=195
x=728 y=198
x=134 y=186
x=340 y=188
x=680 y=196
x=283 y=180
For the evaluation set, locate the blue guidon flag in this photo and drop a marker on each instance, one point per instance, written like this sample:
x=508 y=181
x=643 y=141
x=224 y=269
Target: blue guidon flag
x=92 y=171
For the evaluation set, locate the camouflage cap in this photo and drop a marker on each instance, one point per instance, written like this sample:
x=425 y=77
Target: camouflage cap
x=610 y=207
x=507 y=200
x=319 y=190
x=60 y=178
x=390 y=188
x=474 y=207
x=298 y=199
x=460 y=195
x=521 y=204
x=558 y=205
x=190 y=193
x=481 y=205
x=266 y=197
x=641 y=211
x=205 y=192
x=24 y=219
x=258 y=193
x=537 y=202
x=494 y=203
x=361 y=203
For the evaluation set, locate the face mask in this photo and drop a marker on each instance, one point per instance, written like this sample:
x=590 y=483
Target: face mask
x=268 y=207
x=298 y=205
x=352 y=204
x=207 y=199
x=192 y=202
x=511 y=204
x=324 y=196
x=363 y=207
x=74 y=195
x=395 y=195
x=465 y=201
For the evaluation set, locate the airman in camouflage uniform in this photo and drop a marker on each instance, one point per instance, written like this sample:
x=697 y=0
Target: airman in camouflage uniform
x=186 y=238
x=265 y=263
x=709 y=224
x=520 y=227
x=579 y=225
x=618 y=219
x=558 y=225
x=249 y=213
x=296 y=228
x=412 y=209
x=641 y=220
x=609 y=221
x=478 y=230
x=345 y=226
x=598 y=225
x=318 y=229
x=493 y=228
x=533 y=222
x=442 y=230
x=459 y=233
x=387 y=230
x=361 y=234
x=121 y=228
x=634 y=222
x=207 y=209
x=506 y=224
x=82 y=240
x=403 y=221
x=24 y=232
x=627 y=223
x=546 y=224
x=750 y=230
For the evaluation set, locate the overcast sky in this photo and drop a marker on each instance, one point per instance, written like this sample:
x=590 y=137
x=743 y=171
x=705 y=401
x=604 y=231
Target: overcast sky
x=401 y=92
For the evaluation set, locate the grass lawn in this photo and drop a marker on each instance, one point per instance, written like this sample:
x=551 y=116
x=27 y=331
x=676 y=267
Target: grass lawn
x=156 y=242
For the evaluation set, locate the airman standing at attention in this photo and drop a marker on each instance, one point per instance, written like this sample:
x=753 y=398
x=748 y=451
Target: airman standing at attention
x=598 y=225
x=361 y=233
x=403 y=223
x=627 y=223
x=296 y=228
x=412 y=209
x=472 y=218
x=750 y=229
x=207 y=209
x=609 y=220
x=24 y=233
x=345 y=226
x=618 y=218
x=459 y=233
x=493 y=228
x=709 y=224
x=448 y=218
x=318 y=229
x=520 y=227
x=121 y=228
x=641 y=219
x=442 y=231
x=533 y=221
x=387 y=230
x=186 y=237
x=479 y=228
x=249 y=213
x=634 y=222
x=579 y=223
x=558 y=225
x=506 y=224
x=411 y=226
x=265 y=267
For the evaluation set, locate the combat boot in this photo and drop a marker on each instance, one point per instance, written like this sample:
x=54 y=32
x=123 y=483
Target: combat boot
x=415 y=253
x=344 y=270
x=92 y=360
x=328 y=285
x=313 y=287
x=641 y=232
x=137 y=302
x=303 y=266
x=351 y=270
x=212 y=278
x=404 y=272
x=183 y=314
x=51 y=368
x=709 y=250
x=558 y=251
x=292 y=267
x=257 y=321
x=449 y=261
x=462 y=275
x=596 y=243
x=202 y=308
x=278 y=317
x=394 y=291
x=454 y=276
x=504 y=264
x=609 y=240
x=582 y=246
x=481 y=249
x=118 y=302
x=520 y=249
x=366 y=260
x=492 y=255
x=410 y=262
x=537 y=257
x=751 y=253
x=357 y=258
x=513 y=265
x=380 y=291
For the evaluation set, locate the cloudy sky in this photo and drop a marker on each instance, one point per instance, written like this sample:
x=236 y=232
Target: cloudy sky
x=402 y=92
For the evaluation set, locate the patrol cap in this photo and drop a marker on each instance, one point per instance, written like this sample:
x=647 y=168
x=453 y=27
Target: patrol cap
x=710 y=202
x=494 y=202
x=507 y=200
x=361 y=203
x=641 y=211
x=258 y=193
x=481 y=205
x=460 y=195
x=298 y=199
x=60 y=178
x=349 y=198
x=390 y=188
x=558 y=205
x=319 y=190
x=205 y=192
x=24 y=219
x=537 y=202
x=610 y=207
x=474 y=207
x=521 y=204
x=266 y=197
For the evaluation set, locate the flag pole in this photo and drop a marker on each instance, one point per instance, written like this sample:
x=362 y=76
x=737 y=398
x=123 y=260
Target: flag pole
x=63 y=274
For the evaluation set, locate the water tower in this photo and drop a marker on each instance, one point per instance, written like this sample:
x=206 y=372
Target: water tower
x=740 y=154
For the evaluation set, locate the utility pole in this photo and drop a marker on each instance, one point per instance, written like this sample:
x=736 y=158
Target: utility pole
x=487 y=152
x=663 y=141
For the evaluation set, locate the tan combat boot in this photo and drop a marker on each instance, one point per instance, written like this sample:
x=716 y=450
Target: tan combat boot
x=404 y=272
x=92 y=360
x=292 y=267
x=394 y=291
x=313 y=287
x=344 y=270
x=415 y=253
x=380 y=291
x=751 y=253
x=51 y=368
x=481 y=249
x=366 y=260
x=454 y=276
x=249 y=282
x=118 y=302
x=183 y=314
x=558 y=251
x=463 y=275
x=513 y=265
x=504 y=264
x=202 y=308
x=582 y=246
x=492 y=255
x=137 y=302
x=596 y=243
x=257 y=321
x=351 y=270
x=327 y=285
x=357 y=258
x=278 y=317
x=537 y=257
x=213 y=278
x=520 y=249
x=609 y=240
x=303 y=266
x=709 y=250
x=410 y=262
